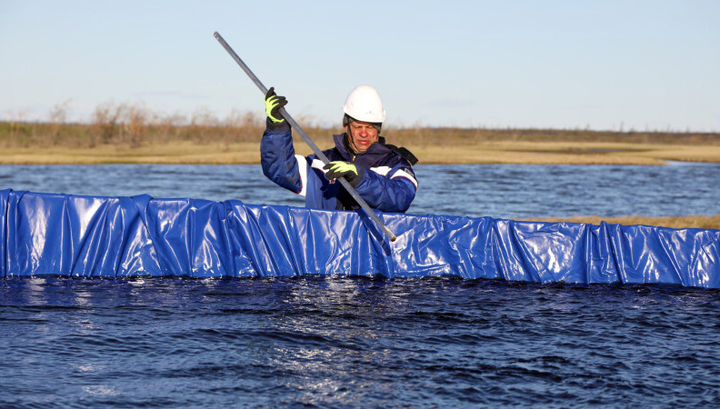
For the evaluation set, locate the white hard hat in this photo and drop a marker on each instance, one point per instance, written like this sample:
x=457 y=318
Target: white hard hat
x=364 y=104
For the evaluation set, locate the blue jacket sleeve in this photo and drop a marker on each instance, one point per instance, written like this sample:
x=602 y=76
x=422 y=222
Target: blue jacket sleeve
x=390 y=193
x=277 y=156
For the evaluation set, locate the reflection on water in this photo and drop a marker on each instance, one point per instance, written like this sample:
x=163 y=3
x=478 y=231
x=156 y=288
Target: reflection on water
x=501 y=191
x=333 y=342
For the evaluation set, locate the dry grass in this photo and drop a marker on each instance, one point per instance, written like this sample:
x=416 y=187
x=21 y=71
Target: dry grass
x=248 y=152
x=135 y=134
x=178 y=152
x=675 y=222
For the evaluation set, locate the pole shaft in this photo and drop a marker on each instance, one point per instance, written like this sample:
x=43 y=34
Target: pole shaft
x=307 y=140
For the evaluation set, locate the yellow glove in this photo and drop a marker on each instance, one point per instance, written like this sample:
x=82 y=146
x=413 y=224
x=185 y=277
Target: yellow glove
x=340 y=168
x=273 y=103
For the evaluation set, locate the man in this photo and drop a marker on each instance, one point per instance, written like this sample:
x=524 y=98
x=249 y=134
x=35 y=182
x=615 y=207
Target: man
x=381 y=174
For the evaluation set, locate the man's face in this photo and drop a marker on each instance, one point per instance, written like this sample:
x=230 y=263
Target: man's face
x=362 y=135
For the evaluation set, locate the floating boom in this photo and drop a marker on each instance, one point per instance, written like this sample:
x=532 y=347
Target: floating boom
x=87 y=236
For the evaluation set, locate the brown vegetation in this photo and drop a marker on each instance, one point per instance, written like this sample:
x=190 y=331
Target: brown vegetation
x=675 y=222
x=132 y=134
x=131 y=126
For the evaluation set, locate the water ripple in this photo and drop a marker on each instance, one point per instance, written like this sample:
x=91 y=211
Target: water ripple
x=354 y=342
x=500 y=191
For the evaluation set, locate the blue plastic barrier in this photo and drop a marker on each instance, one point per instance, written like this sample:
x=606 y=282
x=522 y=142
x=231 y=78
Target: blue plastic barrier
x=65 y=235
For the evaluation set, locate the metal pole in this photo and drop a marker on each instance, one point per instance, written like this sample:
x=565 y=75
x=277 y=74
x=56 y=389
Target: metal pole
x=309 y=141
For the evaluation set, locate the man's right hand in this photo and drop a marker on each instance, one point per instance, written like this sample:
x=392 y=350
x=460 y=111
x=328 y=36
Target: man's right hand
x=273 y=103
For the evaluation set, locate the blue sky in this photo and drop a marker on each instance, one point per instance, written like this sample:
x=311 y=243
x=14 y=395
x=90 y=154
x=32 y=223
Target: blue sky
x=542 y=64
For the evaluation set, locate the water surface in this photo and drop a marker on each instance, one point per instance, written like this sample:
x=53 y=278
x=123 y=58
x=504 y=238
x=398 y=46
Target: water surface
x=500 y=191
x=331 y=342
x=355 y=342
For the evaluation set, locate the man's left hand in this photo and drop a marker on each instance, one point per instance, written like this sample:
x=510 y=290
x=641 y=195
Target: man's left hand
x=344 y=169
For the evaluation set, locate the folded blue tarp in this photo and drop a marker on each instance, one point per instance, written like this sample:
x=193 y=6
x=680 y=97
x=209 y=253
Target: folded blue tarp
x=65 y=235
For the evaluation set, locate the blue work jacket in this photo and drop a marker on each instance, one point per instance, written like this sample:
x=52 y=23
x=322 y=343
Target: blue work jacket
x=385 y=179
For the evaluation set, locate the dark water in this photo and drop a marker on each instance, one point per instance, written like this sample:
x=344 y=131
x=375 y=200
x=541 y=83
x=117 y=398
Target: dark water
x=341 y=342
x=358 y=342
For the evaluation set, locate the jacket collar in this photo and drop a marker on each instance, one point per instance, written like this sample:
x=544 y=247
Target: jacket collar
x=378 y=148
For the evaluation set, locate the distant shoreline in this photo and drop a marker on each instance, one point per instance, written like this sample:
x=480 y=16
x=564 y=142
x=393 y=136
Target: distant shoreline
x=482 y=152
x=130 y=135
